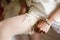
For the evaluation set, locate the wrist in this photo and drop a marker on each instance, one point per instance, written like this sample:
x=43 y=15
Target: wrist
x=50 y=21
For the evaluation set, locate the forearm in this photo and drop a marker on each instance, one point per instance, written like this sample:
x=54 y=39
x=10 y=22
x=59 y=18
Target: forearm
x=55 y=14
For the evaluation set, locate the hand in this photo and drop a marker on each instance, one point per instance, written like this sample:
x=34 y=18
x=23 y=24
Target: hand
x=42 y=26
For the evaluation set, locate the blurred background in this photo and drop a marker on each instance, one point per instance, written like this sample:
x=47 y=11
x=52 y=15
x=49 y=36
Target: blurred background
x=10 y=8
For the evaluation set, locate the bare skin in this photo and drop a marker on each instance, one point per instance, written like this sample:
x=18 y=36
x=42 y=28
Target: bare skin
x=43 y=27
x=11 y=26
x=16 y=25
x=8 y=28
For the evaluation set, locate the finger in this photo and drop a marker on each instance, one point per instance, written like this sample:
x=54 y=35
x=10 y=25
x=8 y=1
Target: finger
x=45 y=29
x=42 y=31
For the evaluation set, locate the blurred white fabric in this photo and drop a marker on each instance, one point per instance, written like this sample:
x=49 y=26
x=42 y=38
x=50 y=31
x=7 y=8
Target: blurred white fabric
x=49 y=6
x=44 y=6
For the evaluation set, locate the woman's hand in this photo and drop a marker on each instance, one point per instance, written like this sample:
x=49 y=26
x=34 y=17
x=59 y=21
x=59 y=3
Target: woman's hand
x=42 y=26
